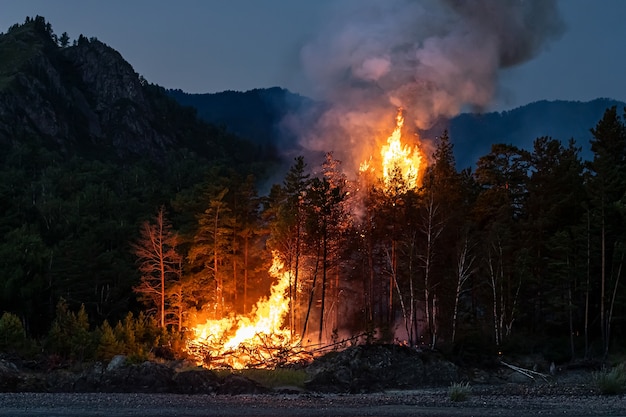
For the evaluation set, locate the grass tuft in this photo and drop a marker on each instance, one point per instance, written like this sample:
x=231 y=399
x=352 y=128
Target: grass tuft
x=611 y=382
x=459 y=391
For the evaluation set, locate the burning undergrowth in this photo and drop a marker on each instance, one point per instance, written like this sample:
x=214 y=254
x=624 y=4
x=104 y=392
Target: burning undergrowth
x=256 y=340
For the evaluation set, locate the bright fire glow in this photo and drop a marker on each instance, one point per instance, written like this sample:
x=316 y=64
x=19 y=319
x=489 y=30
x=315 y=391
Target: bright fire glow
x=398 y=159
x=243 y=341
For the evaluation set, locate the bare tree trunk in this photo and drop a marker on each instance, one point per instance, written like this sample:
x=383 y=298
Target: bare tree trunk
x=493 y=284
x=413 y=307
x=162 y=272
x=587 y=289
x=464 y=269
x=324 y=277
x=337 y=296
x=393 y=275
x=603 y=279
x=571 y=323
x=432 y=231
x=435 y=331
x=610 y=315
x=311 y=296
x=218 y=280
x=294 y=271
x=392 y=262
x=245 y=273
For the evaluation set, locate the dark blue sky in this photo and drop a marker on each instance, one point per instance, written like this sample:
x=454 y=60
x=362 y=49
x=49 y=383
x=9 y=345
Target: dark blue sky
x=212 y=45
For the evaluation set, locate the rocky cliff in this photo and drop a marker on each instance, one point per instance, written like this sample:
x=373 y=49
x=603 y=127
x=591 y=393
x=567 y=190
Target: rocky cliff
x=85 y=96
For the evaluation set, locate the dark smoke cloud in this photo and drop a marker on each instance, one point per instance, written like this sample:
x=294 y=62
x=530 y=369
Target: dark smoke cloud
x=431 y=57
x=520 y=27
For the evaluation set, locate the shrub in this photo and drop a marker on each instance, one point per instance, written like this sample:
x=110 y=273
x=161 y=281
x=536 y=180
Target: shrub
x=459 y=391
x=611 y=382
x=108 y=345
x=69 y=336
x=12 y=334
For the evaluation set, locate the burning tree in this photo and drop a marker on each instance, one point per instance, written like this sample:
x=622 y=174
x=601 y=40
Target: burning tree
x=327 y=223
x=285 y=213
x=389 y=187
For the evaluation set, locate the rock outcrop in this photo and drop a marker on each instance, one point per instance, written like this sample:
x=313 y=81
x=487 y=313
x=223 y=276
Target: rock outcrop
x=372 y=368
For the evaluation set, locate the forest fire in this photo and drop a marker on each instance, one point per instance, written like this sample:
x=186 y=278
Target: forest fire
x=398 y=161
x=252 y=340
x=262 y=339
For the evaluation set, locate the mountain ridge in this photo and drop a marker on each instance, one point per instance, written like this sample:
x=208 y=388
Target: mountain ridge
x=471 y=133
x=560 y=119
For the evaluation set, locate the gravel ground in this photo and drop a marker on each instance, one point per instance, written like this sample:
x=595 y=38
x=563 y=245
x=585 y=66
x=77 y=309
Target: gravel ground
x=485 y=401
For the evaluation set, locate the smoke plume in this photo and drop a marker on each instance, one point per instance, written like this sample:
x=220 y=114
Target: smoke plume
x=430 y=57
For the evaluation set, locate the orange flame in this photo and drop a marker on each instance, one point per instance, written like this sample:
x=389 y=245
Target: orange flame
x=398 y=159
x=238 y=341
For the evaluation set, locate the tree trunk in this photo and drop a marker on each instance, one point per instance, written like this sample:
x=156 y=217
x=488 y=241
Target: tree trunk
x=587 y=287
x=324 y=277
x=218 y=281
x=603 y=279
x=311 y=298
x=610 y=315
x=464 y=269
x=245 y=273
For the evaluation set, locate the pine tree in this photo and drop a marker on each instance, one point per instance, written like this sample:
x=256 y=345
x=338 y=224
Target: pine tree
x=607 y=188
x=207 y=255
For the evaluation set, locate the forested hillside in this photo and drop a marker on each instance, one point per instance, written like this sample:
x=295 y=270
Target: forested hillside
x=125 y=221
x=89 y=151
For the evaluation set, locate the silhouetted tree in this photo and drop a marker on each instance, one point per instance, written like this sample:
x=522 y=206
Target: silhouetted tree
x=607 y=188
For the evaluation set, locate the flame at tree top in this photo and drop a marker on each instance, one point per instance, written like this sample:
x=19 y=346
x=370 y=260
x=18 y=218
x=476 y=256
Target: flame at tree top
x=242 y=341
x=398 y=159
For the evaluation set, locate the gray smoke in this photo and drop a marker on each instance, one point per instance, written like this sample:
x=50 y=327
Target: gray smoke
x=430 y=57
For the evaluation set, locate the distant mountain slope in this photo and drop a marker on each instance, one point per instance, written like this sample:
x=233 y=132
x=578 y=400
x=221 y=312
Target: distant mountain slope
x=257 y=114
x=473 y=134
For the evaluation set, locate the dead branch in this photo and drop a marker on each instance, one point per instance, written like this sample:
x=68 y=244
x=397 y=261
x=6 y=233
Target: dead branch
x=526 y=372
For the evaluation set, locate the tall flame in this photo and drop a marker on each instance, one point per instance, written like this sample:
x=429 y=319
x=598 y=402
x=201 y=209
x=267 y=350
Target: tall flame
x=398 y=159
x=242 y=340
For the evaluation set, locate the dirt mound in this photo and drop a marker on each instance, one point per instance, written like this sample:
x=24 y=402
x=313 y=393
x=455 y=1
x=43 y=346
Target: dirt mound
x=372 y=368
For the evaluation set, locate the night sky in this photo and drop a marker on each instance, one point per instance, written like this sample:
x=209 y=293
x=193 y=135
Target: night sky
x=210 y=46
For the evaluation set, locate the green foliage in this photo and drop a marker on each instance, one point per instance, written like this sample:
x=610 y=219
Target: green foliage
x=611 y=382
x=12 y=334
x=108 y=345
x=135 y=337
x=69 y=337
x=459 y=391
